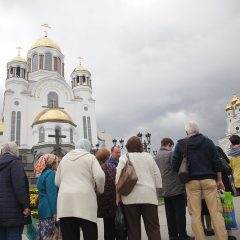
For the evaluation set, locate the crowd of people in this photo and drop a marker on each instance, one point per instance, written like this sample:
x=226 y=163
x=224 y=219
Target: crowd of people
x=81 y=187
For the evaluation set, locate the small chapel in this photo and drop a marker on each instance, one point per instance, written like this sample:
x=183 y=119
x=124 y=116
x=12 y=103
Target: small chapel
x=42 y=113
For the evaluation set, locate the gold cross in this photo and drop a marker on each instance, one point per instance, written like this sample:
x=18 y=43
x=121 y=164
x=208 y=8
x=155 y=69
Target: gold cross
x=46 y=26
x=80 y=60
x=19 y=49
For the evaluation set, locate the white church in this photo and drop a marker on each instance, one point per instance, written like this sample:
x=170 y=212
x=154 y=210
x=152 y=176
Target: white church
x=41 y=108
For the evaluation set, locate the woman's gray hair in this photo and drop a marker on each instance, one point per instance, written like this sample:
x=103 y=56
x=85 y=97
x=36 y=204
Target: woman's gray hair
x=191 y=127
x=11 y=148
x=83 y=144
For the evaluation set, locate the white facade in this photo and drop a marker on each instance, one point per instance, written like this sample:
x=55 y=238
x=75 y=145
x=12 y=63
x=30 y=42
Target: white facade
x=233 y=122
x=37 y=100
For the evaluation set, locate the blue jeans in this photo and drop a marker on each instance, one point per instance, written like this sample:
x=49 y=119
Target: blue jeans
x=11 y=233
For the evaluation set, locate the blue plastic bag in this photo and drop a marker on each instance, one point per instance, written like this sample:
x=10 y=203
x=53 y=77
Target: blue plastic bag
x=30 y=230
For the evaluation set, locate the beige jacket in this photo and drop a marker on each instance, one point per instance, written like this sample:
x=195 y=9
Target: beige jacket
x=78 y=177
x=149 y=178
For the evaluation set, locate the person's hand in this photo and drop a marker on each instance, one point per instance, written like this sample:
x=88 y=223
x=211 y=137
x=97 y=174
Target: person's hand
x=26 y=212
x=118 y=198
x=220 y=185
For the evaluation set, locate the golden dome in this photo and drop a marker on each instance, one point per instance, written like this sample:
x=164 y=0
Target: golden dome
x=19 y=59
x=51 y=115
x=228 y=107
x=237 y=102
x=80 y=69
x=45 y=42
x=234 y=99
x=1 y=127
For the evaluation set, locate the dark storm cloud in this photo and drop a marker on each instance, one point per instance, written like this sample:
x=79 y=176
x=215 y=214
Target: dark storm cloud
x=155 y=64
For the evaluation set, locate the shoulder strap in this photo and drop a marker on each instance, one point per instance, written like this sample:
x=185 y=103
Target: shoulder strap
x=128 y=158
x=185 y=147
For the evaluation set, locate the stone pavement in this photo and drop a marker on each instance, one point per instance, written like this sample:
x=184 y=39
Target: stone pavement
x=163 y=224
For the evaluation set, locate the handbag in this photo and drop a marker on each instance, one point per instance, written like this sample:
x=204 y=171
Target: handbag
x=183 y=172
x=30 y=230
x=127 y=179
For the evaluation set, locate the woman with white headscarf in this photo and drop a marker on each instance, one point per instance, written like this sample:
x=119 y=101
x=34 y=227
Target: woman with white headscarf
x=78 y=177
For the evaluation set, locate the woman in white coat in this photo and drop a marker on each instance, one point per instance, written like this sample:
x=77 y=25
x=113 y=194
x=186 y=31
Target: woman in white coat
x=142 y=201
x=78 y=177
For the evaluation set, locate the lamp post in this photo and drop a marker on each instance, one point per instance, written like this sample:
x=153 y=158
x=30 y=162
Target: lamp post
x=146 y=142
x=94 y=148
x=155 y=152
x=121 y=143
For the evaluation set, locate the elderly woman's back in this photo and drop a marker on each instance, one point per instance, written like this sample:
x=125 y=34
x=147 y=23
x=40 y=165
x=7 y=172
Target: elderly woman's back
x=14 y=195
x=78 y=176
x=142 y=201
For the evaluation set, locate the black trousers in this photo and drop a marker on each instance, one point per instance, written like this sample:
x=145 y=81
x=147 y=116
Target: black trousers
x=175 y=208
x=70 y=228
x=109 y=228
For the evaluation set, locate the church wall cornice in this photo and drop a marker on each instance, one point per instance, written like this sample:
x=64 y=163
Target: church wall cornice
x=9 y=92
x=18 y=81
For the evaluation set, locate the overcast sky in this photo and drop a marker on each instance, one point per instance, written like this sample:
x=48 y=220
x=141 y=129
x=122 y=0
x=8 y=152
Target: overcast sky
x=155 y=64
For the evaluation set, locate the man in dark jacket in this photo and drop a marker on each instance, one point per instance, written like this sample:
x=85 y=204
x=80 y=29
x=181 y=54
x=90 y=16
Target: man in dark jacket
x=173 y=193
x=14 y=194
x=204 y=178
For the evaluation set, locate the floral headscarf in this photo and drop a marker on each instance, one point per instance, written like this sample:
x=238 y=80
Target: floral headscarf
x=46 y=160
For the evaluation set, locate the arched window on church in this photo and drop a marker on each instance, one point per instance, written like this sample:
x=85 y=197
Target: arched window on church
x=71 y=135
x=11 y=71
x=34 y=62
x=84 y=127
x=59 y=65
x=41 y=135
x=84 y=80
x=55 y=64
x=13 y=123
x=63 y=69
x=89 y=129
x=24 y=73
x=41 y=61
x=52 y=99
x=48 y=61
x=18 y=132
x=29 y=64
x=18 y=72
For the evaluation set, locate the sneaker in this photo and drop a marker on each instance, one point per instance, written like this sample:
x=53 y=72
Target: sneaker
x=190 y=238
x=232 y=238
x=186 y=238
x=209 y=232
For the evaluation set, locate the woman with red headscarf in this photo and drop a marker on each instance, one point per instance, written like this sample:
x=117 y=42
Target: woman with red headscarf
x=47 y=207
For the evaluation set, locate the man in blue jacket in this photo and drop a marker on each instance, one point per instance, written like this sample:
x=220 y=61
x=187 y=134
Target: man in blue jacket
x=204 y=179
